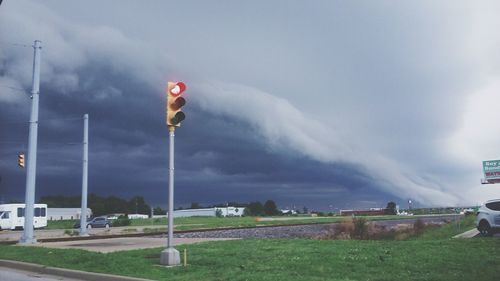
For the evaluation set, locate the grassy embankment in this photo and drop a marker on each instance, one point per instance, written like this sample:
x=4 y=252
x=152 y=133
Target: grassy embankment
x=432 y=256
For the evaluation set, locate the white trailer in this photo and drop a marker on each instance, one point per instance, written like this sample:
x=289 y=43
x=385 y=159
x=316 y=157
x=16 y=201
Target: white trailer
x=12 y=216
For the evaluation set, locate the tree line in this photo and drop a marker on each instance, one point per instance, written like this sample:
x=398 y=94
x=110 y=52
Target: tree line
x=112 y=205
x=256 y=208
x=100 y=205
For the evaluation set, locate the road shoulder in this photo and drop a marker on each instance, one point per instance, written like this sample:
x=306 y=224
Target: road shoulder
x=68 y=273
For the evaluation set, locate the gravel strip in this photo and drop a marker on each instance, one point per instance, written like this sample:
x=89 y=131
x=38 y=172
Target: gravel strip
x=296 y=231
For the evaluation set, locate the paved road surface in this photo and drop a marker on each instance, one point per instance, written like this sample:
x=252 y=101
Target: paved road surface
x=123 y=244
x=9 y=274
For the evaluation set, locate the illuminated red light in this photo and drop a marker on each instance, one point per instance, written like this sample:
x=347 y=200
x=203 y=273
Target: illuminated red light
x=178 y=89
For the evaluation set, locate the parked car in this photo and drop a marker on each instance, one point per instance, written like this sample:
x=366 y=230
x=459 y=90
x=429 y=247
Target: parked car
x=96 y=222
x=488 y=218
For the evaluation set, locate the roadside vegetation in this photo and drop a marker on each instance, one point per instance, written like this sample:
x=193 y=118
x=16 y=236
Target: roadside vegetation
x=192 y=223
x=429 y=255
x=361 y=229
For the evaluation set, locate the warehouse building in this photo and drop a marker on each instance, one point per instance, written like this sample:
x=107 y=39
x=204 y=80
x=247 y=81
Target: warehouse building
x=210 y=212
x=55 y=214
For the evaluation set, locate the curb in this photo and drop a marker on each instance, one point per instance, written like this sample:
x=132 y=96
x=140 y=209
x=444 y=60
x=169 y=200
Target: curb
x=468 y=234
x=69 y=273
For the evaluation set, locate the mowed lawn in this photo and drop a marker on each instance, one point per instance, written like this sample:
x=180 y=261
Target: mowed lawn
x=433 y=256
x=295 y=259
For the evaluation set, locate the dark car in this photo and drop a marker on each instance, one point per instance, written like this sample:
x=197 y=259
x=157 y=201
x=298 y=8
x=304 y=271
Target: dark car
x=96 y=222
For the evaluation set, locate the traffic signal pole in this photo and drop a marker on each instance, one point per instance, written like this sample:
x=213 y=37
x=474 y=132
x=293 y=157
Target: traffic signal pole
x=170 y=256
x=28 y=237
x=171 y=132
x=83 y=212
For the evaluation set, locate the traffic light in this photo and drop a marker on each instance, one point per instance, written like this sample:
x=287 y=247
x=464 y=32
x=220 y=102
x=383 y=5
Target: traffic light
x=20 y=160
x=174 y=103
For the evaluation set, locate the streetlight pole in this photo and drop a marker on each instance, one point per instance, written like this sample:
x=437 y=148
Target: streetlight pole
x=28 y=237
x=83 y=212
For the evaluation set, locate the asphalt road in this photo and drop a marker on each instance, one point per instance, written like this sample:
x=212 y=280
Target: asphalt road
x=9 y=274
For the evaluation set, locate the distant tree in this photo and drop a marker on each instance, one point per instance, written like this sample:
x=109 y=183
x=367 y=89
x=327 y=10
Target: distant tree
x=195 y=205
x=254 y=209
x=218 y=213
x=62 y=201
x=138 y=205
x=99 y=205
x=391 y=208
x=270 y=208
x=159 y=211
x=305 y=210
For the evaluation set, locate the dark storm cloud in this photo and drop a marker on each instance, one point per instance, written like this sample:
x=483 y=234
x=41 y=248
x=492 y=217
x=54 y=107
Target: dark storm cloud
x=218 y=158
x=355 y=100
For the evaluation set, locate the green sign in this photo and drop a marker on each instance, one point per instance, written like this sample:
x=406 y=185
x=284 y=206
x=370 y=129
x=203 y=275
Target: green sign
x=491 y=169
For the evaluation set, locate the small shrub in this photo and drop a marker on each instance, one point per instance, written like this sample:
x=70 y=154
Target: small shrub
x=344 y=229
x=122 y=220
x=419 y=227
x=71 y=232
x=218 y=213
x=360 y=228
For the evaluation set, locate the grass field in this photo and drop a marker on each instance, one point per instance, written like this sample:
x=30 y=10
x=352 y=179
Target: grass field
x=190 y=223
x=432 y=256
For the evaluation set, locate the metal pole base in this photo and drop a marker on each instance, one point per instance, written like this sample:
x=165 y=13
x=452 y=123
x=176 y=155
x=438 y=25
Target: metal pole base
x=170 y=257
x=27 y=241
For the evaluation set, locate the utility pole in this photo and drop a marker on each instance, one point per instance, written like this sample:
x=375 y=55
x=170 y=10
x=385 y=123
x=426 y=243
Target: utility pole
x=28 y=237
x=85 y=176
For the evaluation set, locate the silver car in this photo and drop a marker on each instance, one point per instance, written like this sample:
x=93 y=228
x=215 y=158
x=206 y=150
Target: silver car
x=488 y=218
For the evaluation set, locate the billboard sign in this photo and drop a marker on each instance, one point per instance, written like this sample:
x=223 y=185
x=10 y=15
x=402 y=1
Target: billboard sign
x=491 y=170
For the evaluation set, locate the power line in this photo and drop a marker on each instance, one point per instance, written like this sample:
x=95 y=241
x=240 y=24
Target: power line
x=69 y=118
x=43 y=120
x=42 y=143
x=15 y=44
x=15 y=88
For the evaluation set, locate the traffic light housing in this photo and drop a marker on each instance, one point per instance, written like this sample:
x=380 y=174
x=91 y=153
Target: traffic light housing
x=175 y=102
x=21 y=160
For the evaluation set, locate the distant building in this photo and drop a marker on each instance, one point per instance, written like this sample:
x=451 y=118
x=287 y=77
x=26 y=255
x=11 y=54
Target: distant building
x=137 y=216
x=288 y=212
x=231 y=211
x=362 y=212
x=56 y=214
x=209 y=212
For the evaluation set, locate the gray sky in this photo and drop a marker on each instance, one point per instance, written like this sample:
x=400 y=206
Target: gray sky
x=317 y=103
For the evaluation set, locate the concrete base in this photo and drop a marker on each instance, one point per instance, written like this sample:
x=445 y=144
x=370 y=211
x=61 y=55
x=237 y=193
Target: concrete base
x=170 y=257
x=27 y=241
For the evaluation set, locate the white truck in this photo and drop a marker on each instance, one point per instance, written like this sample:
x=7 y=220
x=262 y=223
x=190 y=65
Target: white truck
x=12 y=216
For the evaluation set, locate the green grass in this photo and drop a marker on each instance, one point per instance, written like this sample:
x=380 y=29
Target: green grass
x=296 y=259
x=450 y=229
x=60 y=224
x=431 y=256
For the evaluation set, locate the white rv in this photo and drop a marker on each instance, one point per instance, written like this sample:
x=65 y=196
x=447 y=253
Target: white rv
x=12 y=216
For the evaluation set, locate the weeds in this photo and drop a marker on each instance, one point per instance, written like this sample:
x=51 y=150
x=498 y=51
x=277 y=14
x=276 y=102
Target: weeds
x=361 y=229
